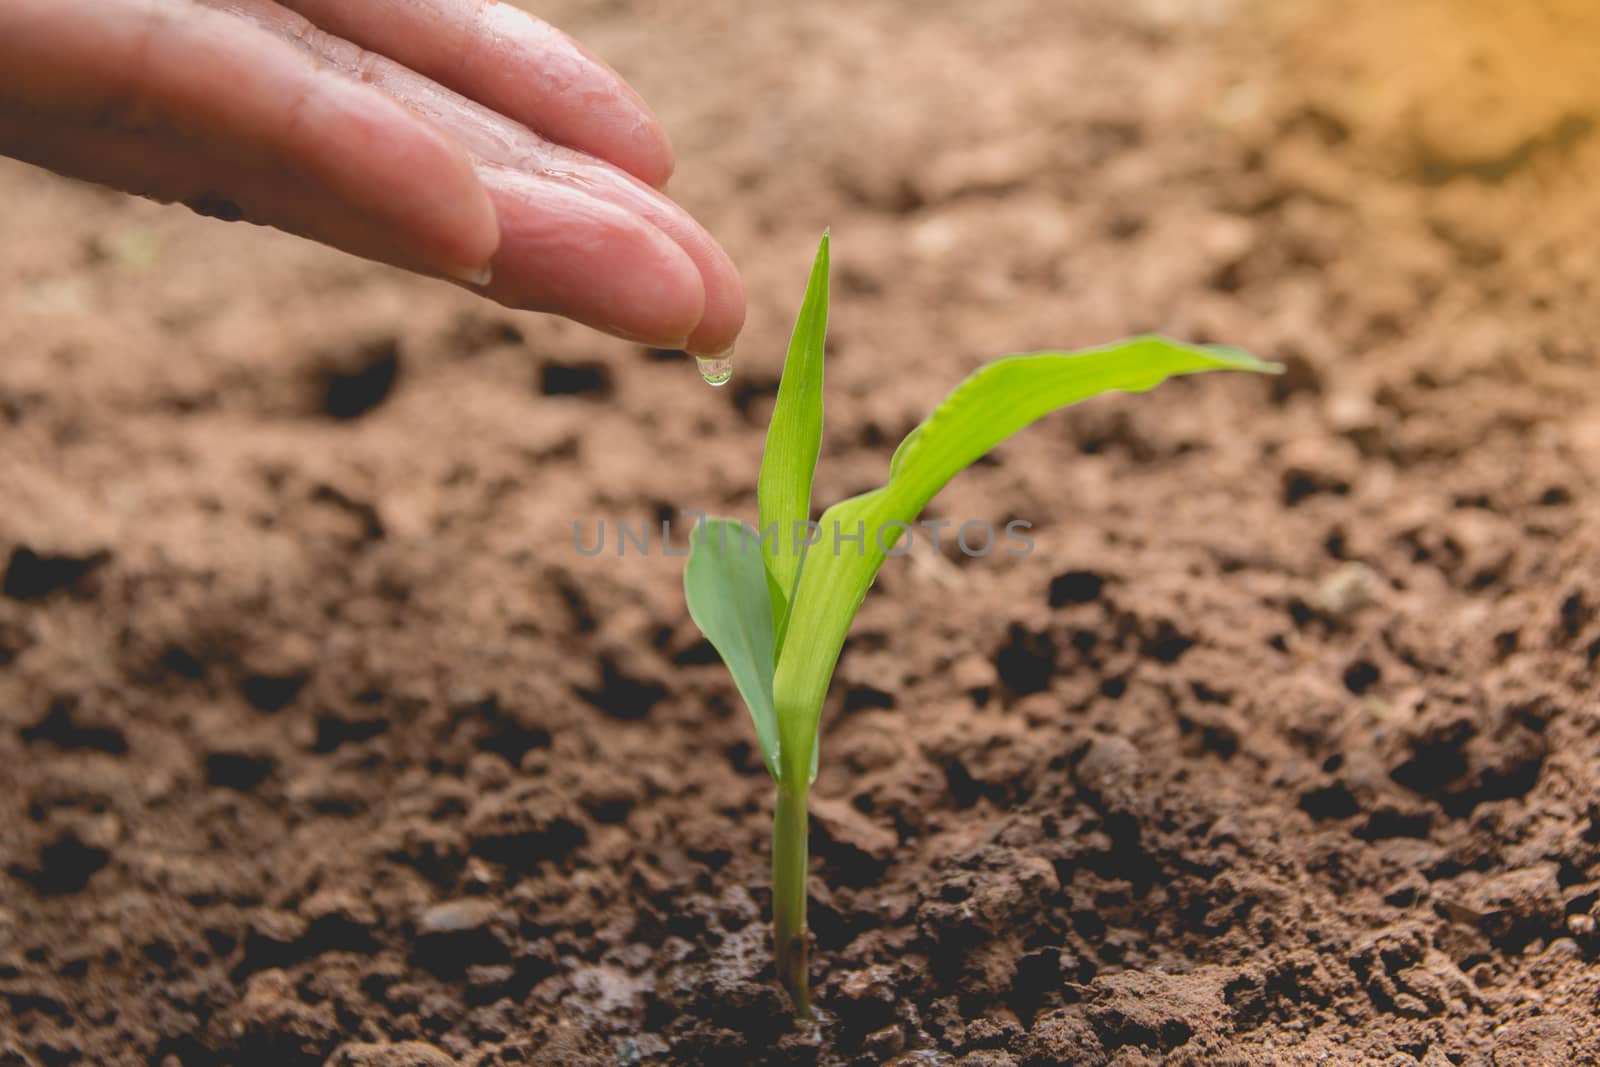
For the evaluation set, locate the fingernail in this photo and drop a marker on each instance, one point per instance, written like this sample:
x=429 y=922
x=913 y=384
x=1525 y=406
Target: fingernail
x=717 y=369
x=478 y=276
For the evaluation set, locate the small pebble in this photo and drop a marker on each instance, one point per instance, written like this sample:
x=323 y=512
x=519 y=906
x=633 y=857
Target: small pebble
x=1348 y=589
x=457 y=916
x=1111 y=769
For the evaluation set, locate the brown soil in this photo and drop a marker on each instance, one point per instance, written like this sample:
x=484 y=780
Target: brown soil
x=320 y=742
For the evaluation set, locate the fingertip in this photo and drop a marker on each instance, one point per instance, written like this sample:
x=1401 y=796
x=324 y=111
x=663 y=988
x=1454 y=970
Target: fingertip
x=617 y=124
x=625 y=134
x=724 y=314
x=466 y=250
x=673 y=301
x=566 y=252
x=479 y=236
x=554 y=84
x=723 y=311
x=656 y=159
x=455 y=219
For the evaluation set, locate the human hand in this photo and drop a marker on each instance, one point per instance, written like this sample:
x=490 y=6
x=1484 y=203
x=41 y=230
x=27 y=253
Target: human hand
x=444 y=136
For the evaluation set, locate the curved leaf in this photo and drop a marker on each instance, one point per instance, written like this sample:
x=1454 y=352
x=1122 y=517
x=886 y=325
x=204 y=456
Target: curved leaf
x=725 y=583
x=999 y=399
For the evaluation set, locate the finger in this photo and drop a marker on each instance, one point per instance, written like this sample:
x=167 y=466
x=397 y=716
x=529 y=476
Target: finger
x=174 y=169
x=514 y=64
x=722 y=314
x=508 y=146
x=565 y=251
x=224 y=100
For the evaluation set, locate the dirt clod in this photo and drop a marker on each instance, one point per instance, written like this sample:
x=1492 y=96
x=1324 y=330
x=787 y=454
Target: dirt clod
x=401 y=1054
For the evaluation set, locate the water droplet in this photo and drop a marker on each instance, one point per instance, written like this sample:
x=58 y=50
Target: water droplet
x=716 y=370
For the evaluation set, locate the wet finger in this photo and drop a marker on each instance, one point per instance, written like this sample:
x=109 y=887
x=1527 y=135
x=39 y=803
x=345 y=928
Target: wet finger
x=722 y=316
x=515 y=64
x=565 y=251
x=504 y=144
x=225 y=90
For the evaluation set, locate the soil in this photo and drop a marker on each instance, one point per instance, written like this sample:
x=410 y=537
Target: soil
x=321 y=743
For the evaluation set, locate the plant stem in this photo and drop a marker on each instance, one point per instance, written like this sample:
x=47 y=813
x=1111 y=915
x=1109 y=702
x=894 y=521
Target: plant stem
x=789 y=832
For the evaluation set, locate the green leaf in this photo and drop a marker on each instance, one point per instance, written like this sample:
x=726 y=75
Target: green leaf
x=794 y=438
x=725 y=583
x=998 y=400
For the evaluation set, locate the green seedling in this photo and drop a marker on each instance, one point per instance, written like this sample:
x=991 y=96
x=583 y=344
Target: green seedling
x=777 y=601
